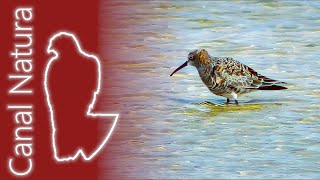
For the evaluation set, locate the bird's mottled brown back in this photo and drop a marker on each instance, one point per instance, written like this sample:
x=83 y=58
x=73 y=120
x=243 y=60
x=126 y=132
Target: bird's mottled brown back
x=224 y=76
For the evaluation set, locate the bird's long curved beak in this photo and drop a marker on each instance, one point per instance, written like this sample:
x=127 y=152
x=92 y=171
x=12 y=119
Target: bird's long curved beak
x=180 y=67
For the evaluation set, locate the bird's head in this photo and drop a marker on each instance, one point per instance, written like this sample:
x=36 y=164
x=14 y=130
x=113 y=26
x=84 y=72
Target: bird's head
x=195 y=58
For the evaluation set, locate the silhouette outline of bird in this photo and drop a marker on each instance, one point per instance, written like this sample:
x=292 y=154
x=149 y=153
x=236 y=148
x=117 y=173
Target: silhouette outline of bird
x=227 y=77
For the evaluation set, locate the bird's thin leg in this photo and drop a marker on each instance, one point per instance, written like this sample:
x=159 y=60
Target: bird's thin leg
x=228 y=101
x=235 y=96
x=236 y=101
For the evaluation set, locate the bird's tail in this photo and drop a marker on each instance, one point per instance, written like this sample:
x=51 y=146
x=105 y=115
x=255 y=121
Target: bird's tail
x=269 y=84
x=272 y=87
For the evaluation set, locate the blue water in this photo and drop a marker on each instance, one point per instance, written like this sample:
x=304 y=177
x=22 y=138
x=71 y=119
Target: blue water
x=169 y=135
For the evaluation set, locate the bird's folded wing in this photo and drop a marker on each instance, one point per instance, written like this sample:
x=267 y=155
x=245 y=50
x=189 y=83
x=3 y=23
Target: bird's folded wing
x=240 y=76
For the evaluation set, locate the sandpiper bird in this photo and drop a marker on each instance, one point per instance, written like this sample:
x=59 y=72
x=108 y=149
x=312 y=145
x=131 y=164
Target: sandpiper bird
x=227 y=77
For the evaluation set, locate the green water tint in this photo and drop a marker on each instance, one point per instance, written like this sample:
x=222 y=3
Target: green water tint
x=212 y=109
x=204 y=21
x=270 y=4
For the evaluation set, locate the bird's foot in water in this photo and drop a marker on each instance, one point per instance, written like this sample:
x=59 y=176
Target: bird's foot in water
x=236 y=102
x=228 y=102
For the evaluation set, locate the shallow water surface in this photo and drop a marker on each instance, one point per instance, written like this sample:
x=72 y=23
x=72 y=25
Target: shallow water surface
x=177 y=128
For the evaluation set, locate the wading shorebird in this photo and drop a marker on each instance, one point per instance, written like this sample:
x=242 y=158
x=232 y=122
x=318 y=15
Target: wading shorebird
x=227 y=77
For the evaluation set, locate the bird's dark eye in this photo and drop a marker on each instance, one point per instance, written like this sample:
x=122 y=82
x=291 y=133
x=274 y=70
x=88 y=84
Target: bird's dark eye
x=190 y=57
